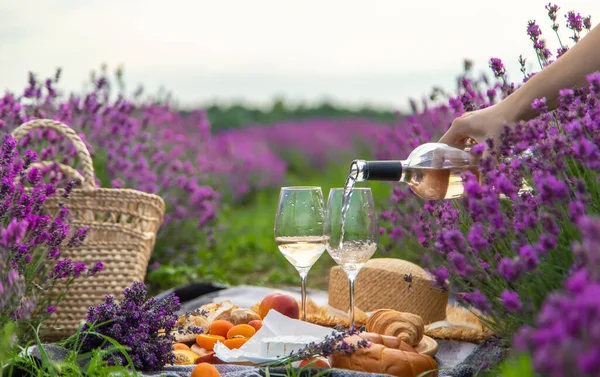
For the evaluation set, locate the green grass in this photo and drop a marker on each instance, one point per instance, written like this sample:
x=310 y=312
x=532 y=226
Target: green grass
x=245 y=250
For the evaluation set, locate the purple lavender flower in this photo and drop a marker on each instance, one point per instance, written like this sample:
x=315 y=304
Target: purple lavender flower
x=478 y=300
x=476 y=238
x=63 y=269
x=587 y=23
x=78 y=238
x=508 y=269
x=96 y=268
x=440 y=275
x=134 y=322
x=511 y=301
x=567 y=329
x=497 y=67
x=459 y=263
x=528 y=258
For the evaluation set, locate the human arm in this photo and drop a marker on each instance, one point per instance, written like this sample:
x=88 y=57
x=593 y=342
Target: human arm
x=570 y=70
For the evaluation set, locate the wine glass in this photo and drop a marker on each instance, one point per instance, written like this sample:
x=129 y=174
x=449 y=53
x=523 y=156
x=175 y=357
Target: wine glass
x=299 y=229
x=353 y=245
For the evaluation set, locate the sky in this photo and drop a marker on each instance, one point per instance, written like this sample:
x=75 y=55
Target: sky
x=377 y=52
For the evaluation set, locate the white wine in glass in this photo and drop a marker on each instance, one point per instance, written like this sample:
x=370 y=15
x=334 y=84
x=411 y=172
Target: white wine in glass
x=299 y=229
x=353 y=236
x=302 y=252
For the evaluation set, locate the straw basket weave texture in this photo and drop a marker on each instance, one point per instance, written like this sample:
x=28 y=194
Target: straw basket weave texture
x=381 y=284
x=122 y=232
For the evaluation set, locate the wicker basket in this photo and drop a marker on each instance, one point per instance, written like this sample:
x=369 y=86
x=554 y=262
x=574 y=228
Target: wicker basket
x=122 y=232
x=381 y=285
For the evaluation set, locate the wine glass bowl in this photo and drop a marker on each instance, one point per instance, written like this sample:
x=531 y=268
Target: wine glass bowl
x=299 y=229
x=353 y=244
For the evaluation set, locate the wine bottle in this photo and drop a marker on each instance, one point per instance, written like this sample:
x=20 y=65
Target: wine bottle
x=432 y=170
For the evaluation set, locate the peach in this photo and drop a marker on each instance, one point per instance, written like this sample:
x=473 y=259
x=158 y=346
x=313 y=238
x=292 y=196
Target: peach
x=314 y=363
x=185 y=357
x=257 y=324
x=180 y=346
x=284 y=304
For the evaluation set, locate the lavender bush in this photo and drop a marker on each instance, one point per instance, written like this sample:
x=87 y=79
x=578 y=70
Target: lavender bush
x=565 y=337
x=31 y=241
x=136 y=144
x=507 y=244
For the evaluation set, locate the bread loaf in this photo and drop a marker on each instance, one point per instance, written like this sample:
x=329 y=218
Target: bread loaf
x=187 y=322
x=228 y=312
x=406 y=326
x=387 y=360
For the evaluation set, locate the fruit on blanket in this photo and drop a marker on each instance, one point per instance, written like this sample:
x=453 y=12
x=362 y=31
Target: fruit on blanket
x=235 y=343
x=284 y=304
x=205 y=370
x=257 y=324
x=314 y=363
x=220 y=327
x=180 y=346
x=185 y=357
x=245 y=331
x=208 y=341
x=205 y=356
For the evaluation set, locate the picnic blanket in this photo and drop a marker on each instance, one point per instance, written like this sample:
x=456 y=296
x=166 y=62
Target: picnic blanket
x=454 y=358
x=483 y=355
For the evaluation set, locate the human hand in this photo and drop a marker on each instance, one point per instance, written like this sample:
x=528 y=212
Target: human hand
x=479 y=125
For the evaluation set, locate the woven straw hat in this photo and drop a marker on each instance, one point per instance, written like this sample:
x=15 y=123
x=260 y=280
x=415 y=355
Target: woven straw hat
x=381 y=284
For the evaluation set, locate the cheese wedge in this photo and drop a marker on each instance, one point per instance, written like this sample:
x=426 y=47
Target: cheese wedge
x=282 y=346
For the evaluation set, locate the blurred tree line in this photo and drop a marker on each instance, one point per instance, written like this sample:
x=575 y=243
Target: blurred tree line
x=240 y=115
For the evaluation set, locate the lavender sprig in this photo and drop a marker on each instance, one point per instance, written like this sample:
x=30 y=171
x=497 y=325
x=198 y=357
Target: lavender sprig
x=143 y=324
x=333 y=343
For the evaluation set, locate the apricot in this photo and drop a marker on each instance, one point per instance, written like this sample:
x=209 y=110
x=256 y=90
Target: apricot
x=284 y=304
x=220 y=327
x=257 y=324
x=208 y=341
x=244 y=330
x=205 y=370
x=180 y=346
x=235 y=343
x=185 y=357
x=314 y=363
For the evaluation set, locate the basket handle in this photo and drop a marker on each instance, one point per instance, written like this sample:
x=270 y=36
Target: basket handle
x=65 y=169
x=87 y=165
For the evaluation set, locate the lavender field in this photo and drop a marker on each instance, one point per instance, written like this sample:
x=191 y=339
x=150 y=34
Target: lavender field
x=528 y=263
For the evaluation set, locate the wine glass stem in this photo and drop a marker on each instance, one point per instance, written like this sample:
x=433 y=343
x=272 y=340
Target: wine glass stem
x=303 y=277
x=351 y=314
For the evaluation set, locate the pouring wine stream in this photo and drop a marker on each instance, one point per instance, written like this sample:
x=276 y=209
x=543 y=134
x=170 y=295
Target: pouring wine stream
x=348 y=188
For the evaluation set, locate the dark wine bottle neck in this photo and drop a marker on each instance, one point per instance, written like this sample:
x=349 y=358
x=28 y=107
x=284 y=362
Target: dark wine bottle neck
x=383 y=170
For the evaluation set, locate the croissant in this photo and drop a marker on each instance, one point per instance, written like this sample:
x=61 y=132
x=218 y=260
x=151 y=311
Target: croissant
x=397 y=361
x=406 y=326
